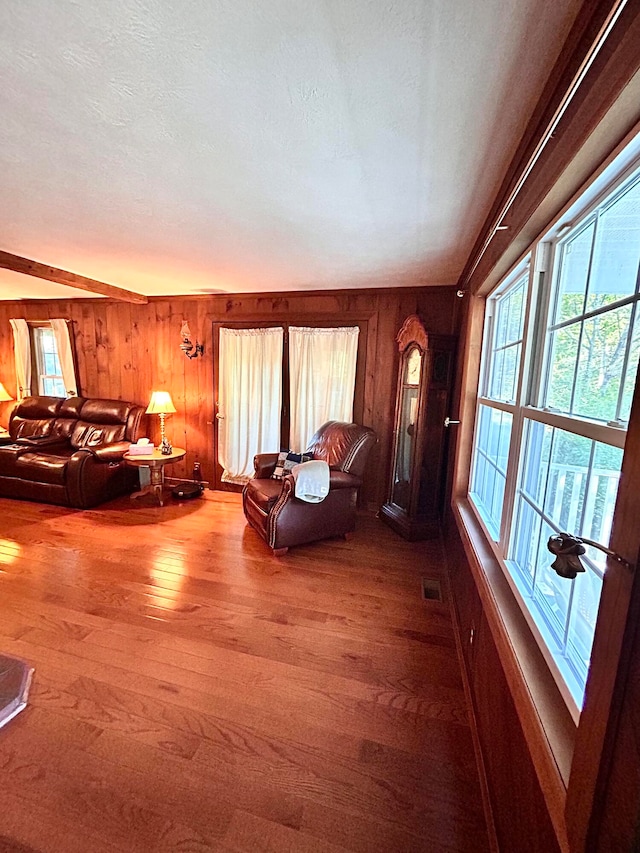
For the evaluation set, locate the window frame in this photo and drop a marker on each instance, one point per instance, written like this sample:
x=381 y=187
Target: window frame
x=542 y=294
x=37 y=358
x=510 y=280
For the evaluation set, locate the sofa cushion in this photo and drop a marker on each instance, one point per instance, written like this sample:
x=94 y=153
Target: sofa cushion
x=105 y=411
x=31 y=427
x=264 y=493
x=343 y=446
x=38 y=407
x=86 y=434
x=70 y=407
x=42 y=468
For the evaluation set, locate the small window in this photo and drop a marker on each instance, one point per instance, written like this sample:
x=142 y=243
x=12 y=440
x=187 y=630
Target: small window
x=46 y=362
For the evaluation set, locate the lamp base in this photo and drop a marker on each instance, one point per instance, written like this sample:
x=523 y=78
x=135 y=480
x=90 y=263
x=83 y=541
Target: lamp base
x=165 y=447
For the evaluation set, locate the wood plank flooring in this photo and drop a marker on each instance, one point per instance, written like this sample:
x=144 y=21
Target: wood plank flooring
x=194 y=693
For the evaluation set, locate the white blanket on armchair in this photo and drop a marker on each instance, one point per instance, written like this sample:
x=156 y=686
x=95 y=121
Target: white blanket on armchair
x=312 y=481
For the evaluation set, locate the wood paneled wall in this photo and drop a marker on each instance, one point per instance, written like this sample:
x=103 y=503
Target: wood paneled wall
x=520 y=815
x=125 y=351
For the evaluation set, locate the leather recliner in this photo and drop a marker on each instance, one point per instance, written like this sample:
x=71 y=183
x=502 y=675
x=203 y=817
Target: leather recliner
x=69 y=451
x=272 y=509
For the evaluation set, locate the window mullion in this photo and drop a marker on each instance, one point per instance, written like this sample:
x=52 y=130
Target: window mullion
x=511 y=481
x=540 y=298
x=488 y=346
x=517 y=425
x=595 y=430
x=589 y=495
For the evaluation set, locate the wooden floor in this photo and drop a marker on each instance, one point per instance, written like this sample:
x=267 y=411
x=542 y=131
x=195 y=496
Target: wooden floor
x=194 y=693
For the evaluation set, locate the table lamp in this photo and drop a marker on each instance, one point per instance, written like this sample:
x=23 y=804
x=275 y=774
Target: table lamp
x=161 y=404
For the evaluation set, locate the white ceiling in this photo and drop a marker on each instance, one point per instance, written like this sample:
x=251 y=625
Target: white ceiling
x=242 y=145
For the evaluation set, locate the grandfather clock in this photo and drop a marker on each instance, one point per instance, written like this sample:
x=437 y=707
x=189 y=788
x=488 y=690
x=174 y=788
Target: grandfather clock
x=418 y=470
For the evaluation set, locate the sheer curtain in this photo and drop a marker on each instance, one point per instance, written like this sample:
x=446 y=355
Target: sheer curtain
x=65 y=356
x=249 y=398
x=22 y=350
x=322 y=365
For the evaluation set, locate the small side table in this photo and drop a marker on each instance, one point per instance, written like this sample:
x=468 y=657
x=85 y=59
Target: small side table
x=155 y=462
x=5 y=438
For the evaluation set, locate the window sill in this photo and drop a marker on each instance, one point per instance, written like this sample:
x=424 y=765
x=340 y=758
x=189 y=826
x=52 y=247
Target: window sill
x=548 y=728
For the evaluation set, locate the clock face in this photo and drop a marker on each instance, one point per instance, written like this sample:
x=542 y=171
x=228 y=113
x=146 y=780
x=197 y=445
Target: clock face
x=412 y=370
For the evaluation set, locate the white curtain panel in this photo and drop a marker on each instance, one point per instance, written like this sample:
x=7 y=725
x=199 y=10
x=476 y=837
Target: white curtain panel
x=249 y=398
x=22 y=350
x=65 y=355
x=322 y=366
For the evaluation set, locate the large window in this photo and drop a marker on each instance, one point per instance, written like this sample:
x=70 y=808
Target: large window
x=561 y=348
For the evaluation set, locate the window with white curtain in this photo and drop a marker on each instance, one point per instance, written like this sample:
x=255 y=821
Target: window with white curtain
x=44 y=359
x=249 y=398
x=48 y=371
x=257 y=413
x=322 y=370
x=560 y=358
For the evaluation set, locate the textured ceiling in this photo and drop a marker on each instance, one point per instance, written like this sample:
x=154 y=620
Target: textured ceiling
x=196 y=146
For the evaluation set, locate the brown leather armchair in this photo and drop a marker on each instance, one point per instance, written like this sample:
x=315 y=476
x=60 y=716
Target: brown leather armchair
x=283 y=520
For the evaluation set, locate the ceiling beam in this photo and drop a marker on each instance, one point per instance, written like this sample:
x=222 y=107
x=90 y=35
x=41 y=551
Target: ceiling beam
x=28 y=267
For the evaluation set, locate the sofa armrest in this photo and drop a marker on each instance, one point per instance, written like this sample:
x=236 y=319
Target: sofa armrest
x=292 y=521
x=108 y=452
x=91 y=480
x=337 y=480
x=343 y=480
x=264 y=464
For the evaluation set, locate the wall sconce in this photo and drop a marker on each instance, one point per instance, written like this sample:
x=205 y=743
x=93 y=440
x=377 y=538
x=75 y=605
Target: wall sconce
x=189 y=349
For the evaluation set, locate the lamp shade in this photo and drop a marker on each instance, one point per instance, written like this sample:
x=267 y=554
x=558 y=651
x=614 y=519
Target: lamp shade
x=160 y=404
x=4 y=394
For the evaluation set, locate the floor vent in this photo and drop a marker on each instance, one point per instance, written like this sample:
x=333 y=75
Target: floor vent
x=431 y=589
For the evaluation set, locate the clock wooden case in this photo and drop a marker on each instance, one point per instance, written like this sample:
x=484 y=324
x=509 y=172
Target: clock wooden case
x=415 y=498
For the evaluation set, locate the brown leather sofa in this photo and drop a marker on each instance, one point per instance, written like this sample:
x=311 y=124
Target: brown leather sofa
x=69 y=452
x=283 y=520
